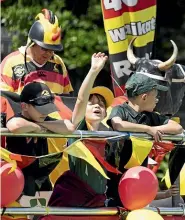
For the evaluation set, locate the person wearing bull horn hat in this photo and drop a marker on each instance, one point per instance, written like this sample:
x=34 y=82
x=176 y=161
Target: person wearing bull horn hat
x=137 y=115
x=37 y=60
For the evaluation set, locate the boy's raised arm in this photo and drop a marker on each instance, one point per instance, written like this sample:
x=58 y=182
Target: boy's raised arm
x=97 y=63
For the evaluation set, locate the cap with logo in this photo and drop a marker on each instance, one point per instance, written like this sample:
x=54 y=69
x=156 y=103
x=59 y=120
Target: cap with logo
x=40 y=96
x=139 y=83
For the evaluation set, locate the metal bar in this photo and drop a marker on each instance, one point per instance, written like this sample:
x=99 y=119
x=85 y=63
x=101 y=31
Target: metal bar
x=85 y=211
x=61 y=211
x=93 y=134
x=168 y=211
x=76 y=134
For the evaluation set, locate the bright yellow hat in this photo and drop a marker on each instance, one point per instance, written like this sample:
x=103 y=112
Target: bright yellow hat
x=105 y=92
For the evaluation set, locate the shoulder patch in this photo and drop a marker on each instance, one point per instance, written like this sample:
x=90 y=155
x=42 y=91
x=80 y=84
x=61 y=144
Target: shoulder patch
x=18 y=71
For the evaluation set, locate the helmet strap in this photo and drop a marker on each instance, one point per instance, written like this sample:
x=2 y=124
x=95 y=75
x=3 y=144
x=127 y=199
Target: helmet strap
x=29 y=44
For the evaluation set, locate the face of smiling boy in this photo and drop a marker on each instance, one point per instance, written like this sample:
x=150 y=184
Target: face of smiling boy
x=96 y=109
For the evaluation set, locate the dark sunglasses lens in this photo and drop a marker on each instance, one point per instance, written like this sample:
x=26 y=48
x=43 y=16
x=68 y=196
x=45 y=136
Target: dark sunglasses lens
x=43 y=100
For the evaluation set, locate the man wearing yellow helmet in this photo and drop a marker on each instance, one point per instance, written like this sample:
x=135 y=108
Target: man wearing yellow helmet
x=37 y=61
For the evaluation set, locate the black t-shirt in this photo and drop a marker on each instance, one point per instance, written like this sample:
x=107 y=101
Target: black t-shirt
x=19 y=145
x=127 y=113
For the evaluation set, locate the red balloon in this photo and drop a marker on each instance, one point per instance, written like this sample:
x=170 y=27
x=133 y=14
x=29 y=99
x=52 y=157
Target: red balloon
x=137 y=187
x=12 y=184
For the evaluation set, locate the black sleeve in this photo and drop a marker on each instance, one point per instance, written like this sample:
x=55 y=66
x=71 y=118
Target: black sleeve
x=51 y=119
x=18 y=115
x=158 y=119
x=117 y=111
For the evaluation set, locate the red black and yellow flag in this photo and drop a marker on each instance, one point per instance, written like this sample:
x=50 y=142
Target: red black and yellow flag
x=124 y=20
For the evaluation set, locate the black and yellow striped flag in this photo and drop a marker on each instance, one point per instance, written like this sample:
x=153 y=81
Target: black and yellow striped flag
x=124 y=20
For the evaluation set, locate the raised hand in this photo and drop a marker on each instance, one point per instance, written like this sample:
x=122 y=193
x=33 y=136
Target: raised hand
x=98 y=61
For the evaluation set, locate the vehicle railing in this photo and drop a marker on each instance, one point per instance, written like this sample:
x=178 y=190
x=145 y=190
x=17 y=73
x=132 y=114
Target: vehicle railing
x=94 y=134
x=180 y=210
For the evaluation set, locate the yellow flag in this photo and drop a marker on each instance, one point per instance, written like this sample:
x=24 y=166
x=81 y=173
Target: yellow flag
x=57 y=145
x=109 y=109
x=182 y=180
x=5 y=155
x=17 y=217
x=140 y=150
x=79 y=150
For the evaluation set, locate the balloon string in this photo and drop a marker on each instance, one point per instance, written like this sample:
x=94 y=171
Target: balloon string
x=158 y=210
x=3 y=211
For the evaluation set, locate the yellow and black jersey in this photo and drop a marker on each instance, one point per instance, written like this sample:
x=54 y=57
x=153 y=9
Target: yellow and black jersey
x=15 y=75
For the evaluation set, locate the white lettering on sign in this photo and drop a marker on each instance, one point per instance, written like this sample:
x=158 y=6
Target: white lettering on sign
x=130 y=3
x=117 y=34
x=134 y=29
x=117 y=4
x=122 y=68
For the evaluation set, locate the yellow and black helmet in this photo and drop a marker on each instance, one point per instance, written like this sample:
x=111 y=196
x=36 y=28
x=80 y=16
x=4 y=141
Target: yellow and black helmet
x=45 y=32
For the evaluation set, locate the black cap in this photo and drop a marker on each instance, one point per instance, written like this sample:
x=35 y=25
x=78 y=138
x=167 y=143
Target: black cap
x=40 y=96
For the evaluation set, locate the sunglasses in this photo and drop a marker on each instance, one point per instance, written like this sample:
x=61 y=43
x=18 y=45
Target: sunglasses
x=42 y=100
x=46 y=50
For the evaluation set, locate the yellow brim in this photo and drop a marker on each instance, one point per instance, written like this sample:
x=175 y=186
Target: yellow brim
x=105 y=92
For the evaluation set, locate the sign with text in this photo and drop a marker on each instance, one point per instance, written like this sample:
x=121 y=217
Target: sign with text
x=124 y=20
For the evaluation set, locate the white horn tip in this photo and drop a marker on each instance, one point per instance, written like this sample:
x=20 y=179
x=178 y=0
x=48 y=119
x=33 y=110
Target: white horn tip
x=174 y=45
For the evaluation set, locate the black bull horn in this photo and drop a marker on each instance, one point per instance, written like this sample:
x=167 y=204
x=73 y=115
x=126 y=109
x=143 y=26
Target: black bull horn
x=161 y=66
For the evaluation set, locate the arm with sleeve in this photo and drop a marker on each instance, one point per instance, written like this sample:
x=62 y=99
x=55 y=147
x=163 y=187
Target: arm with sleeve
x=58 y=126
x=166 y=125
x=121 y=119
x=116 y=112
x=19 y=124
x=7 y=75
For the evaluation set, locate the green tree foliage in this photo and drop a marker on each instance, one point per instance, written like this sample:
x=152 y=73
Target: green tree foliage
x=81 y=35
